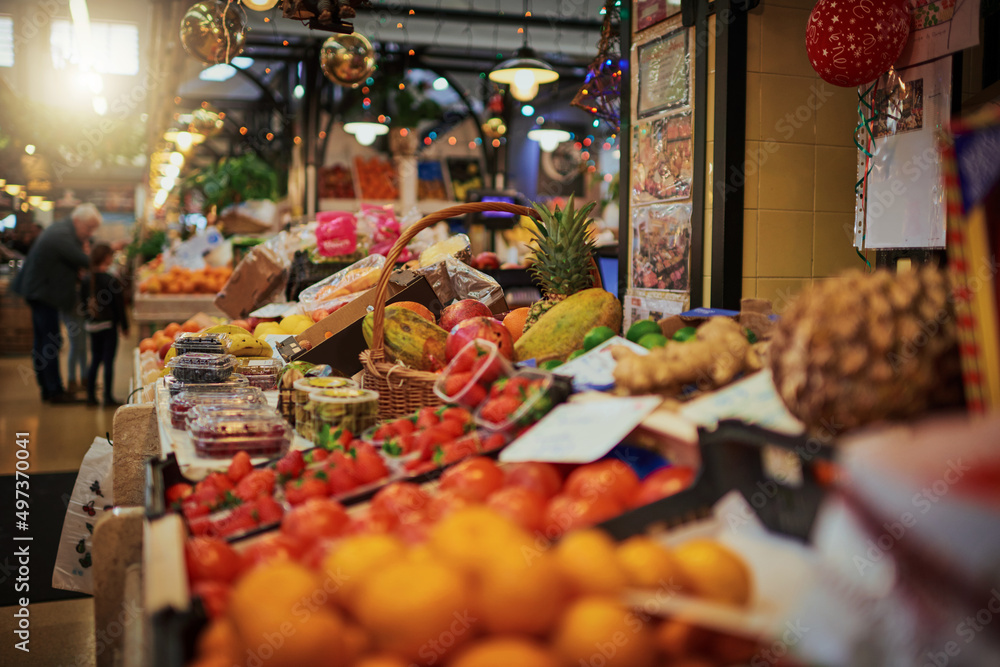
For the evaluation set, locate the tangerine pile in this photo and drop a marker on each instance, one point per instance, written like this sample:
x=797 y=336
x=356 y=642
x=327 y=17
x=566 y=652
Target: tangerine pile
x=479 y=592
x=178 y=280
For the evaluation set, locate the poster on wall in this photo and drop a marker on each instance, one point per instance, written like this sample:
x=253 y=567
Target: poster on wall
x=650 y=12
x=645 y=307
x=662 y=168
x=663 y=73
x=904 y=198
x=938 y=28
x=661 y=247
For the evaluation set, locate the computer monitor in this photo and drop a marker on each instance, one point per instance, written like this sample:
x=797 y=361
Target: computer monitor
x=494 y=219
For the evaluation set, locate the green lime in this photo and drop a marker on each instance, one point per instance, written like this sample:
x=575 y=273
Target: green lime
x=685 y=334
x=596 y=336
x=550 y=364
x=651 y=340
x=574 y=354
x=751 y=336
x=641 y=328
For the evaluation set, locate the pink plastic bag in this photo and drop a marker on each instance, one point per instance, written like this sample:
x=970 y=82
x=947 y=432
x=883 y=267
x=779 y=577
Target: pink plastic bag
x=337 y=233
x=385 y=229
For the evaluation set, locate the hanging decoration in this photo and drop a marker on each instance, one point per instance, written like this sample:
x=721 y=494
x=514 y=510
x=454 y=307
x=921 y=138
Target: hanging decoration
x=853 y=42
x=600 y=93
x=206 y=120
x=259 y=5
x=326 y=15
x=347 y=60
x=214 y=31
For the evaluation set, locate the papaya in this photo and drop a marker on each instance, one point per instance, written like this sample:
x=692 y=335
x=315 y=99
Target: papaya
x=409 y=338
x=562 y=329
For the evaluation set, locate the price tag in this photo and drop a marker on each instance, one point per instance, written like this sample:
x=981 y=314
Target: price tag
x=596 y=369
x=581 y=432
x=259 y=362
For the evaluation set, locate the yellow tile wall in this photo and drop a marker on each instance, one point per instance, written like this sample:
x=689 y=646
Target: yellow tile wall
x=800 y=161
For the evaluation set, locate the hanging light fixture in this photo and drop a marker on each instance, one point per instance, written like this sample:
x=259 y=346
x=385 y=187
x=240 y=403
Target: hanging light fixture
x=13 y=190
x=366 y=131
x=549 y=139
x=259 y=5
x=525 y=71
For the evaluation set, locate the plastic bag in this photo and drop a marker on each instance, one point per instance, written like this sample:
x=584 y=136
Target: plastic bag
x=336 y=234
x=92 y=496
x=452 y=279
x=342 y=287
x=457 y=246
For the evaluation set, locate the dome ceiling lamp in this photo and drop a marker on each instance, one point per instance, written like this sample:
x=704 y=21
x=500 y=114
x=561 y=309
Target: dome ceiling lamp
x=525 y=71
x=366 y=131
x=549 y=138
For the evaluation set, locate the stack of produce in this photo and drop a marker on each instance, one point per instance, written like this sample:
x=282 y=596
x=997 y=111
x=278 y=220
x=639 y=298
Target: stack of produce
x=178 y=280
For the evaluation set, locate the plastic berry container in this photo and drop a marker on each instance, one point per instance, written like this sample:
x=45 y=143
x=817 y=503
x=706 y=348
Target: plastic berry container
x=257 y=432
x=235 y=381
x=206 y=343
x=471 y=373
x=517 y=402
x=303 y=388
x=260 y=373
x=201 y=367
x=348 y=407
x=235 y=411
x=184 y=403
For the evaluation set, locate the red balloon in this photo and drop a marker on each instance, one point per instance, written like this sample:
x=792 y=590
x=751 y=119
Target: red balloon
x=851 y=42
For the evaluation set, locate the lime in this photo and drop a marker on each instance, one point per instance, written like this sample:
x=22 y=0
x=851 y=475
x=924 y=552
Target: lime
x=574 y=354
x=596 y=336
x=685 y=334
x=550 y=364
x=652 y=340
x=751 y=336
x=641 y=328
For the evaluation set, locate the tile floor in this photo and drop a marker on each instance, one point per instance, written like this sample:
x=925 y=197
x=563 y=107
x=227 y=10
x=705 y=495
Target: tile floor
x=62 y=632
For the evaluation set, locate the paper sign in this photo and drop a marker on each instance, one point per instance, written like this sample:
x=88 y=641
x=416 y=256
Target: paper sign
x=581 y=432
x=754 y=400
x=596 y=368
x=191 y=253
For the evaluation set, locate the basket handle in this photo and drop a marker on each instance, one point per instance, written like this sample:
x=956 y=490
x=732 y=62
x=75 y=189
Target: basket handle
x=382 y=288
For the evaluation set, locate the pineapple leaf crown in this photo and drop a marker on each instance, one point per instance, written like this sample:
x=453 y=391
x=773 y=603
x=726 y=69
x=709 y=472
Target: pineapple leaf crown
x=563 y=245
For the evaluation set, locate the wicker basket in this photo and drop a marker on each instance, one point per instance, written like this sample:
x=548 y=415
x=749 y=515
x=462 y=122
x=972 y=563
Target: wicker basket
x=403 y=390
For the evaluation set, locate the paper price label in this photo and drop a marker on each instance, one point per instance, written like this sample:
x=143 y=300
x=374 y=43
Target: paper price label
x=596 y=368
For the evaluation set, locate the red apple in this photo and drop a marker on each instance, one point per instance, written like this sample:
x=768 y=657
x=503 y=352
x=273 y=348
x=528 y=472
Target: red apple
x=483 y=328
x=486 y=261
x=461 y=311
x=164 y=349
x=252 y=323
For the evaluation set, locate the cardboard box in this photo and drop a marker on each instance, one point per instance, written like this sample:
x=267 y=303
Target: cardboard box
x=257 y=277
x=341 y=349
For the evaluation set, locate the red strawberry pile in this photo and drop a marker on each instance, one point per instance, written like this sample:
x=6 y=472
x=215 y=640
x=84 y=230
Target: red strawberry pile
x=435 y=437
x=470 y=374
x=508 y=395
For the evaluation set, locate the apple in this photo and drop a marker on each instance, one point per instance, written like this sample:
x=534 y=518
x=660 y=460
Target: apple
x=164 y=349
x=252 y=322
x=486 y=261
x=461 y=311
x=483 y=328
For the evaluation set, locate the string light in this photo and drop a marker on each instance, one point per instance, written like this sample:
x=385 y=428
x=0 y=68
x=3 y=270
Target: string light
x=270 y=136
x=403 y=132
x=452 y=141
x=427 y=141
x=297 y=140
x=322 y=135
x=496 y=143
x=243 y=130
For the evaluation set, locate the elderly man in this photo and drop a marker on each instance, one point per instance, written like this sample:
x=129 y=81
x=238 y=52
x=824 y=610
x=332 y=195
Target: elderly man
x=48 y=282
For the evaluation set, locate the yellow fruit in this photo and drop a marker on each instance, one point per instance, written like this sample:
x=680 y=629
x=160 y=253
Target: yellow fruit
x=505 y=652
x=268 y=329
x=415 y=609
x=601 y=629
x=247 y=345
x=712 y=571
x=226 y=329
x=519 y=594
x=588 y=560
x=296 y=324
x=562 y=329
x=648 y=564
x=464 y=538
x=355 y=559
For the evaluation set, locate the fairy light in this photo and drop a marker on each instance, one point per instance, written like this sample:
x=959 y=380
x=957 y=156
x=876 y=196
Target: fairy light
x=402 y=86
x=427 y=141
x=297 y=140
x=452 y=141
x=243 y=130
x=381 y=118
x=496 y=143
x=472 y=145
x=270 y=136
x=322 y=135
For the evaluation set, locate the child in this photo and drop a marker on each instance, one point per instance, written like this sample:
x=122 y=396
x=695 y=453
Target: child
x=101 y=294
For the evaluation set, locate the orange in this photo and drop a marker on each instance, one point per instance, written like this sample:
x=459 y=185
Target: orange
x=601 y=630
x=520 y=593
x=219 y=639
x=505 y=652
x=148 y=345
x=356 y=643
x=677 y=639
x=415 y=609
x=465 y=537
x=712 y=571
x=172 y=329
x=355 y=559
x=588 y=560
x=191 y=327
x=649 y=564
x=382 y=660
x=514 y=321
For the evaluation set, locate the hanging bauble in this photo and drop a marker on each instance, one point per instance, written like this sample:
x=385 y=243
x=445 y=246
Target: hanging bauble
x=206 y=120
x=347 y=60
x=852 y=42
x=214 y=31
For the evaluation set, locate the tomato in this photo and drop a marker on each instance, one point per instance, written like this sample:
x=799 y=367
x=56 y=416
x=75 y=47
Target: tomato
x=272 y=546
x=542 y=478
x=210 y=558
x=475 y=478
x=661 y=484
x=524 y=506
x=314 y=519
x=314 y=555
x=369 y=523
x=257 y=483
x=214 y=597
x=494 y=441
x=445 y=502
x=178 y=492
x=240 y=467
x=609 y=477
x=399 y=499
x=565 y=512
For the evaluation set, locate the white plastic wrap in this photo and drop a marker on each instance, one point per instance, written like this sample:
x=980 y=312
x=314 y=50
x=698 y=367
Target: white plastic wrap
x=331 y=292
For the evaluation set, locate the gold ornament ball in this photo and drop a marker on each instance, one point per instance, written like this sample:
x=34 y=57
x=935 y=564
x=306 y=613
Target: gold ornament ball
x=347 y=60
x=206 y=120
x=212 y=33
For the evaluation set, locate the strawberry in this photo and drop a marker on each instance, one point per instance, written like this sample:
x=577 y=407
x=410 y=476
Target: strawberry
x=418 y=466
x=257 y=483
x=488 y=368
x=493 y=441
x=268 y=510
x=240 y=520
x=200 y=525
x=427 y=417
x=465 y=359
x=178 y=492
x=452 y=428
x=192 y=509
x=518 y=386
x=311 y=485
x=240 y=467
x=291 y=465
x=455 y=383
x=218 y=481
x=508 y=405
x=404 y=426
x=458 y=449
x=339 y=480
x=385 y=431
x=475 y=395
x=317 y=455
x=207 y=495
x=460 y=415
x=369 y=466
x=497 y=388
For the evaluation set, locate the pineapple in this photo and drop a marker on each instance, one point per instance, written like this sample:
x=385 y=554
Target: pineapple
x=562 y=260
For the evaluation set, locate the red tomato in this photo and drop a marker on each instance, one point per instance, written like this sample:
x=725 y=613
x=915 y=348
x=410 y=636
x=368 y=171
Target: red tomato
x=524 y=506
x=240 y=467
x=314 y=555
x=270 y=547
x=214 y=597
x=661 y=484
x=609 y=477
x=314 y=519
x=542 y=478
x=209 y=558
x=565 y=513
x=399 y=499
x=445 y=502
x=475 y=478
x=413 y=528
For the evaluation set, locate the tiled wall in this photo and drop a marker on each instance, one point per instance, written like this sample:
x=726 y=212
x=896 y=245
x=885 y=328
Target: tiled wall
x=800 y=160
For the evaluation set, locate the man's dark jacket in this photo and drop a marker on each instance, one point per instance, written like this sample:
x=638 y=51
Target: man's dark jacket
x=51 y=269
